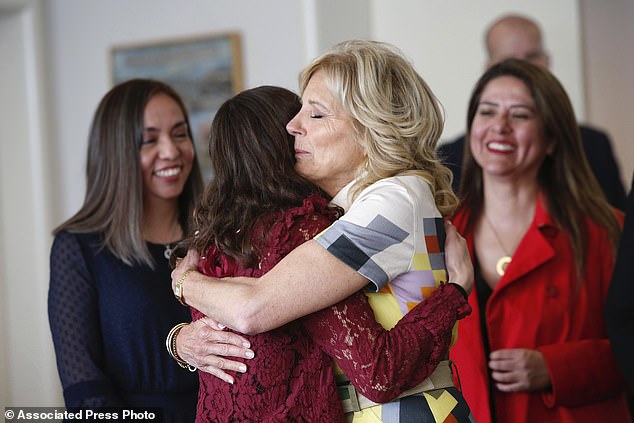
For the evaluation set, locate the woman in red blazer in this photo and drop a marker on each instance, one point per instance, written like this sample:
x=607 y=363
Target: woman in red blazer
x=542 y=238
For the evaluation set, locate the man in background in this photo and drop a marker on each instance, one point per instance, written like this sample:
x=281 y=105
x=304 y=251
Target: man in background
x=518 y=37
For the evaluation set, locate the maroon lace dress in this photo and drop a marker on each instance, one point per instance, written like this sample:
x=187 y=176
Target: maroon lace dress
x=291 y=377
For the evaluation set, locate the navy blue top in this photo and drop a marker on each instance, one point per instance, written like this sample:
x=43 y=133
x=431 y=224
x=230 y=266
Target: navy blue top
x=109 y=322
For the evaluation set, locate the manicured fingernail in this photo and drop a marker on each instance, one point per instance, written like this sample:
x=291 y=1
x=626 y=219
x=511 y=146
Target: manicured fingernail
x=242 y=368
x=221 y=326
x=229 y=380
x=249 y=354
x=246 y=345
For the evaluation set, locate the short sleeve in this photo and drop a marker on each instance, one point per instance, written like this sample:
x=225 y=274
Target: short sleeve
x=375 y=237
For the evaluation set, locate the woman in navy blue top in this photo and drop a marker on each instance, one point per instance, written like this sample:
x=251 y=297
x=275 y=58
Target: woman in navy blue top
x=110 y=302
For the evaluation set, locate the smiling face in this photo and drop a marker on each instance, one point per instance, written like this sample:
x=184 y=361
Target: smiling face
x=167 y=150
x=326 y=146
x=507 y=135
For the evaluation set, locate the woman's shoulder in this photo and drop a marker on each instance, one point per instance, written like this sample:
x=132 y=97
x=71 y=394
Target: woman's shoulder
x=314 y=208
x=282 y=232
x=404 y=190
x=405 y=180
x=413 y=185
x=598 y=233
x=460 y=218
x=313 y=204
x=66 y=239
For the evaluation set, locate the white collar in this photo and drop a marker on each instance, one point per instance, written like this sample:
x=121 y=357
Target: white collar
x=341 y=198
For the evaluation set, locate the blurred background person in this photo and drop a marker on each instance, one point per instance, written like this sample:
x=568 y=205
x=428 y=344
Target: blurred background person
x=515 y=36
x=535 y=348
x=619 y=308
x=110 y=304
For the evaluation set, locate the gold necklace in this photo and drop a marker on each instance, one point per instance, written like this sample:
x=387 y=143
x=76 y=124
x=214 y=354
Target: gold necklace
x=503 y=262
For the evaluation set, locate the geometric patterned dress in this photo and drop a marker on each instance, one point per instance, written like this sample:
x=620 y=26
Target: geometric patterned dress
x=394 y=236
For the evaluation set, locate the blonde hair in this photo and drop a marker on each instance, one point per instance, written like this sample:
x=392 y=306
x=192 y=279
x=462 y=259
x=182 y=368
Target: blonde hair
x=397 y=117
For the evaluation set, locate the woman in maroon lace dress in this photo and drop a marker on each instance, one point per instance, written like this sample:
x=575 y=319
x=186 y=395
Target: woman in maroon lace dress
x=255 y=211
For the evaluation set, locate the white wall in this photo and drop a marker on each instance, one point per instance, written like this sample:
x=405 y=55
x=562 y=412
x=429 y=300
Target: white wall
x=342 y=20
x=27 y=369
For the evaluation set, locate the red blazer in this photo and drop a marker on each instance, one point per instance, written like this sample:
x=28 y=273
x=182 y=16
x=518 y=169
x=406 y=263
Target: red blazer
x=539 y=304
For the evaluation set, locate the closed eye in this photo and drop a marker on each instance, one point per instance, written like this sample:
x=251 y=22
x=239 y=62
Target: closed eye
x=486 y=112
x=181 y=135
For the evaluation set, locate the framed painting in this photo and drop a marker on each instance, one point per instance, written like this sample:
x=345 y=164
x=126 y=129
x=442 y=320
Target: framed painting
x=205 y=71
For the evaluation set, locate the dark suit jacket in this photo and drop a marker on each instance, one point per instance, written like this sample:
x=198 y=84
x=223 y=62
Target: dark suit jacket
x=619 y=306
x=598 y=152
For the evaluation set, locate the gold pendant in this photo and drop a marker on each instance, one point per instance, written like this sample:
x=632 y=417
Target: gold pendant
x=500 y=267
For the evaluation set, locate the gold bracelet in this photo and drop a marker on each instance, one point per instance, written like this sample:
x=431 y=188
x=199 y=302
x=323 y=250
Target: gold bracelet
x=178 y=288
x=170 y=344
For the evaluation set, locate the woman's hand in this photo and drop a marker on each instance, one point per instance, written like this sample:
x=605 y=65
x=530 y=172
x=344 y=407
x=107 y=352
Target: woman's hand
x=457 y=258
x=204 y=344
x=519 y=370
x=190 y=261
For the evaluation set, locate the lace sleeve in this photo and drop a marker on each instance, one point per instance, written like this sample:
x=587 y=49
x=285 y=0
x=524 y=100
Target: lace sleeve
x=74 y=320
x=382 y=364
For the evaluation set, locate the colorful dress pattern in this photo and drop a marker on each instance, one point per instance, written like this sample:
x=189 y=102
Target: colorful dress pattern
x=393 y=235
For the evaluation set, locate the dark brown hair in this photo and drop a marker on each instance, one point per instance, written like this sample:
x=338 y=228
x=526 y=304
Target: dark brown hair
x=571 y=190
x=113 y=204
x=254 y=163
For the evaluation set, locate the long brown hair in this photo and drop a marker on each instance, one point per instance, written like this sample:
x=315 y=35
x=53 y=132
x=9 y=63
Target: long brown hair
x=113 y=204
x=254 y=163
x=565 y=178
